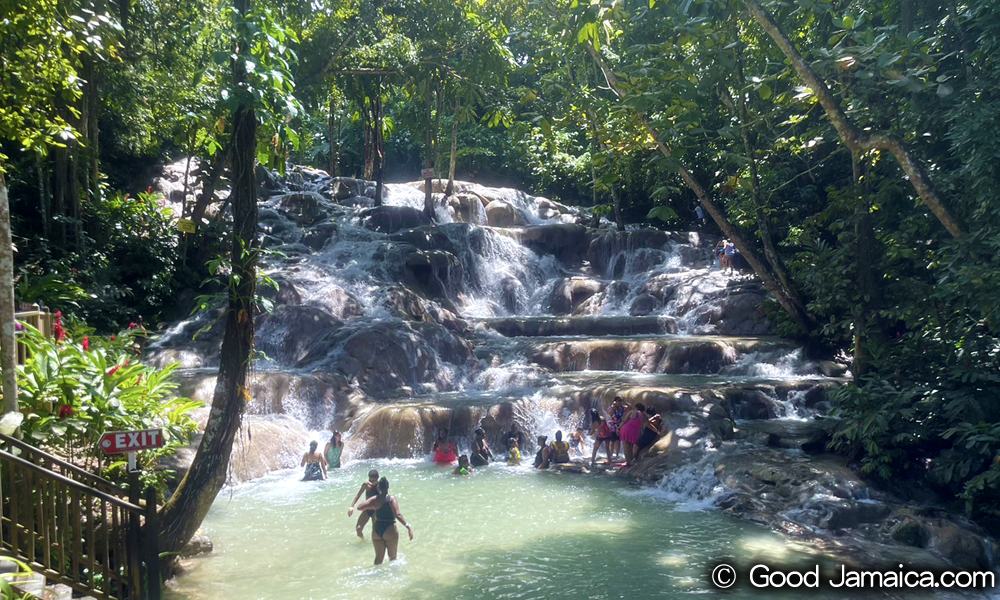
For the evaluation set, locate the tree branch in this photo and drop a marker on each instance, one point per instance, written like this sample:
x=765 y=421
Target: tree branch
x=856 y=139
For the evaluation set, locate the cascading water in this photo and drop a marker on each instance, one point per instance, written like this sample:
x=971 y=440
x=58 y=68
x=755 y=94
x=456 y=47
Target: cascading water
x=394 y=330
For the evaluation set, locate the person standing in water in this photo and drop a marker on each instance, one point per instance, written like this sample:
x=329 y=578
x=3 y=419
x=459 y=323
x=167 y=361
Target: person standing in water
x=577 y=443
x=334 y=448
x=481 y=453
x=314 y=463
x=514 y=453
x=385 y=535
x=541 y=454
x=515 y=434
x=444 y=449
x=650 y=433
x=369 y=489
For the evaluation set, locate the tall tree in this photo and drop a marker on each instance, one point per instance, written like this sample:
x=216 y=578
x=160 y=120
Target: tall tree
x=259 y=44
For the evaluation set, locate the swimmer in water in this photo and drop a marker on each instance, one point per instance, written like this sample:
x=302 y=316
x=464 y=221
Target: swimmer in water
x=334 y=448
x=314 y=463
x=463 y=467
x=481 y=453
x=369 y=489
x=385 y=535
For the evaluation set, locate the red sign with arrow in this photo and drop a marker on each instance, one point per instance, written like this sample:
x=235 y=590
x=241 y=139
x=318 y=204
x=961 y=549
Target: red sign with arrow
x=118 y=442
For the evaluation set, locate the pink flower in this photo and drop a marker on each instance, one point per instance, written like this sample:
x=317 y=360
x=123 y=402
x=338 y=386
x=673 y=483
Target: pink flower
x=113 y=370
x=65 y=411
x=112 y=338
x=86 y=344
x=132 y=325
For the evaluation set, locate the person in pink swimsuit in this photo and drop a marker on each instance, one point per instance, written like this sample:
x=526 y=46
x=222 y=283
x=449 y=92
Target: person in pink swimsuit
x=632 y=424
x=444 y=449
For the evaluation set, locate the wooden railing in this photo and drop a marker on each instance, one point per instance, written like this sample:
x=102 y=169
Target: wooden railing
x=40 y=319
x=76 y=528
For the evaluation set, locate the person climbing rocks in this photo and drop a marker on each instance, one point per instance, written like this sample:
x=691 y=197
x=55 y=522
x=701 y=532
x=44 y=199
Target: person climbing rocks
x=463 y=467
x=369 y=489
x=513 y=453
x=481 y=453
x=651 y=431
x=632 y=426
x=729 y=255
x=540 y=455
x=333 y=450
x=385 y=508
x=577 y=443
x=601 y=432
x=314 y=463
x=444 y=449
x=720 y=251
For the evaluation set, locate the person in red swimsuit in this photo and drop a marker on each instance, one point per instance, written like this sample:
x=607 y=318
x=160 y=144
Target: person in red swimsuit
x=444 y=449
x=632 y=426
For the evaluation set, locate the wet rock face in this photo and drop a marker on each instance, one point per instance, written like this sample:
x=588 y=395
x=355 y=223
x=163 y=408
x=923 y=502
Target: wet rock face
x=613 y=244
x=436 y=273
x=306 y=208
x=467 y=208
x=569 y=293
x=296 y=334
x=390 y=219
x=500 y=213
x=567 y=242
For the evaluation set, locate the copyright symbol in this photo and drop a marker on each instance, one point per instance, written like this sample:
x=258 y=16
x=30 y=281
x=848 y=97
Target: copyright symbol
x=723 y=576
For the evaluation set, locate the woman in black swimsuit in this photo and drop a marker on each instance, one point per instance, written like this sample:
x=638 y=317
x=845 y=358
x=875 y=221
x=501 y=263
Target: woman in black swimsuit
x=368 y=488
x=385 y=536
x=481 y=453
x=314 y=463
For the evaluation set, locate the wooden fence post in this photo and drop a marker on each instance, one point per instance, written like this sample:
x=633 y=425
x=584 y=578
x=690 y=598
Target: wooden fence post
x=154 y=586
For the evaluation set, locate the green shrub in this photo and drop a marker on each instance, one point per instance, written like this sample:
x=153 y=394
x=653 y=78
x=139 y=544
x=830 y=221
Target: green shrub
x=73 y=390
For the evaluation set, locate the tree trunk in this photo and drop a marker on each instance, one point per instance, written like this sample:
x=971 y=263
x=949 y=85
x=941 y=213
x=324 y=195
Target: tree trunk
x=801 y=317
x=75 y=158
x=334 y=133
x=379 y=145
x=59 y=186
x=864 y=238
x=616 y=197
x=452 y=160
x=183 y=513
x=41 y=164
x=854 y=138
x=437 y=129
x=369 y=141
x=760 y=210
x=429 y=157
x=8 y=344
x=94 y=130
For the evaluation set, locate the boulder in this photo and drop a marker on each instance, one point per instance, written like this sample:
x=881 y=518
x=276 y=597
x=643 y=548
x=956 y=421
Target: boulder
x=750 y=404
x=500 y=213
x=570 y=292
x=958 y=545
x=293 y=335
x=435 y=273
x=390 y=219
x=318 y=236
x=567 y=242
x=467 y=208
x=643 y=305
x=358 y=202
x=337 y=302
x=305 y=208
x=830 y=368
x=200 y=543
x=342 y=188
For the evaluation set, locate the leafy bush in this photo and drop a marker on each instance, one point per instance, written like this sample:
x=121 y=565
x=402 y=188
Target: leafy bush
x=72 y=391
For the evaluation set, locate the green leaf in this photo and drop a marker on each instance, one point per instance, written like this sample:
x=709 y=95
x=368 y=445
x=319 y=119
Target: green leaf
x=848 y=22
x=765 y=91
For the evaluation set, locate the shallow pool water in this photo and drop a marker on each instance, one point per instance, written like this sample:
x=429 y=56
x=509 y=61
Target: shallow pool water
x=503 y=533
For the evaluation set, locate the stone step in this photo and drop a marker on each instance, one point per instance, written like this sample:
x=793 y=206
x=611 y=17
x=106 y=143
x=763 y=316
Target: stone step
x=675 y=355
x=587 y=326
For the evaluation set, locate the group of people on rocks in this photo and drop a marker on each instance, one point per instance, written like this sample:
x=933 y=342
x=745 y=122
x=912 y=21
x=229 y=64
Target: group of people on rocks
x=630 y=429
x=725 y=254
